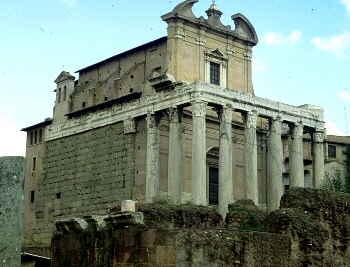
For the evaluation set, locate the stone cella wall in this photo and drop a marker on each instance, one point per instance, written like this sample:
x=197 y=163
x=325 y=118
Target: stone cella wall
x=83 y=174
x=11 y=194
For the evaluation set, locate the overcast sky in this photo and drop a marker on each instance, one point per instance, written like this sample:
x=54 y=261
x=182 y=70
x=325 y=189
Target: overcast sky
x=303 y=55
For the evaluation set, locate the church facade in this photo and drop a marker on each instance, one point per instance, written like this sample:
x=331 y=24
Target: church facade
x=172 y=120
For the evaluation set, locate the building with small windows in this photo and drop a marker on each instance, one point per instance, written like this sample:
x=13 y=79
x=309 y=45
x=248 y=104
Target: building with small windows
x=336 y=148
x=174 y=119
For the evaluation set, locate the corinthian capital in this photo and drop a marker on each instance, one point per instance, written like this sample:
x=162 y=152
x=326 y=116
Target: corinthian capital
x=276 y=125
x=151 y=121
x=319 y=137
x=174 y=114
x=199 y=108
x=298 y=130
x=251 y=119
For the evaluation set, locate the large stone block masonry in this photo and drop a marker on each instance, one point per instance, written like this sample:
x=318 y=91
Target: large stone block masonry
x=11 y=174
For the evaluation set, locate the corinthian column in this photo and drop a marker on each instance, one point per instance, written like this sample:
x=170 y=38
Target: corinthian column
x=318 y=158
x=251 y=157
x=275 y=164
x=175 y=156
x=296 y=156
x=199 y=179
x=152 y=159
x=225 y=160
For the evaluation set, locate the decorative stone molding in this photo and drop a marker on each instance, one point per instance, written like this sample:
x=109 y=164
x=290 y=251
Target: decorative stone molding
x=245 y=29
x=129 y=126
x=184 y=94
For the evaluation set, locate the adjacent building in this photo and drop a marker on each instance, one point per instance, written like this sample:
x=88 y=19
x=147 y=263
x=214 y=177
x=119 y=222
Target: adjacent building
x=175 y=119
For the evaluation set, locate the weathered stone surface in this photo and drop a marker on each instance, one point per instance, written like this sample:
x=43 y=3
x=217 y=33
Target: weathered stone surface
x=171 y=236
x=172 y=216
x=92 y=172
x=11 y=193
x=311 y=229
x=318 y=223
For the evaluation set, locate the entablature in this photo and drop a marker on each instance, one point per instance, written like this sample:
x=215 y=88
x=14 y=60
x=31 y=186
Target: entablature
x=184 y=95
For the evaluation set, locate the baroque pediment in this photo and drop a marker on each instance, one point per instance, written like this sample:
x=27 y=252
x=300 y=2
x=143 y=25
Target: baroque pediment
x=216 y=53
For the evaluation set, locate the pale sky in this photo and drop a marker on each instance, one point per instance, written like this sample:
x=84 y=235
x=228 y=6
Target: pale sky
x=302 y=58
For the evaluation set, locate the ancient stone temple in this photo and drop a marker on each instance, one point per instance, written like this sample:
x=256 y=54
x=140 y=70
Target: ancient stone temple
x=175 y=119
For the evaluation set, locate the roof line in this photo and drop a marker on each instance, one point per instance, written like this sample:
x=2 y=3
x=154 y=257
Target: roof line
x=43 y=123
x=125 y=53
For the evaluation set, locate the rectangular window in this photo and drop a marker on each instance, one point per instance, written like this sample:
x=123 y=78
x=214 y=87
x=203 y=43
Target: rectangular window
x=32 y=196
x=59 y=95
x=40 y=135
x=213 y=186
x=214 y=73
x=31 y=138
x=332 y=151
x=64 y=93
x=34 y=164
x=35 y=137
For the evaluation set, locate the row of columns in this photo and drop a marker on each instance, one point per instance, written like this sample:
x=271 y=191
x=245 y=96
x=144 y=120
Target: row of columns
x=199 y=151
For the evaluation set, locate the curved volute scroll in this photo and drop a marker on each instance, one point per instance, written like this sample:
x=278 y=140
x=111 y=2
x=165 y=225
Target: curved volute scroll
x=185 y=8
x=245 y=29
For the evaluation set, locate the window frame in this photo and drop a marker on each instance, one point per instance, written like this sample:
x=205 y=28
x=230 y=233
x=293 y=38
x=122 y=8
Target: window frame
x=32 y=196
x=34 y=163
x=215 y=73
x=216 y=56
x=332 y=153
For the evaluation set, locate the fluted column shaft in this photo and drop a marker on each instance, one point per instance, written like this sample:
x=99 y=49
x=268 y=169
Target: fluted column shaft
x=199 y=169
x=275 y=164
x=152 y=159
x=251 y=157
x=318 y=158
x=175 y=159
x=225 y=160
x=296 y=156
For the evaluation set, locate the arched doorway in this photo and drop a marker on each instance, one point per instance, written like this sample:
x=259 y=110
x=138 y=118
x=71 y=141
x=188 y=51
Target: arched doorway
x=213 y=175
